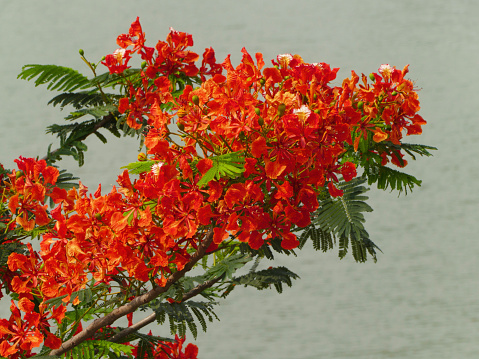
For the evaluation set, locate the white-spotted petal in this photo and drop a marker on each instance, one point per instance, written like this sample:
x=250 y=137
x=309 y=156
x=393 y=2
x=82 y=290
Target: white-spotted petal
x=156 y=168
x=303 y=112
x=386 y=70
x=284 y=59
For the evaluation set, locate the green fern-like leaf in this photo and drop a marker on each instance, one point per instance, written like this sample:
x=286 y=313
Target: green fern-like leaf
x=71 y=139
x=386 y=177
x=181 y=316
x=100 y=137
x=64 y=180
x=322 y=240
x=359 y=250
x=227 y=266
x=55 y=77
x=265 y=279
x=343 y=217
x=197 y=312
x=343 y=246
x=230 y=164
x=111 y=80
x=79 y=99
x=202 y=310
x=91 y=349
x=97 y=112
x=411 y=148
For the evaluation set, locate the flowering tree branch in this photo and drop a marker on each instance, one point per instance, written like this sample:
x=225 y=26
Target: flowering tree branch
x=136 y=302
x=260 y=154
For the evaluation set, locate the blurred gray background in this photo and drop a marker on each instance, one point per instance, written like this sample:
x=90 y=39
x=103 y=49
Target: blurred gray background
x=421 y=299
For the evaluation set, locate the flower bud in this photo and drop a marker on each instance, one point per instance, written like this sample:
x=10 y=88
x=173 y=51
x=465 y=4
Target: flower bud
x=360 y=105
x=261 y=121
x=181 y=113
x=257 y=111
x=143 y=64
x=142 y=156
x=98 y=216
x=394 y=93
x=181 y=127
x=262 y=81
x=81 y=52
x=371 y=76
x=196 y=100
x=281 y=109
x=18 y=174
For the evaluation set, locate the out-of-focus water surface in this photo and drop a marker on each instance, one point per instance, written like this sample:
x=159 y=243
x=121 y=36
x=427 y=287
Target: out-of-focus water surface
x=421 y=299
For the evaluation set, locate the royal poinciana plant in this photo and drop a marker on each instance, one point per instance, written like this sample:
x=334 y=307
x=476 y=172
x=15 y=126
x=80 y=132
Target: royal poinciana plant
x=239 y=163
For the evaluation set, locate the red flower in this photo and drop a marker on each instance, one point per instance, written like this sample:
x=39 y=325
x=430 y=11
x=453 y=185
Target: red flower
x=118 y=61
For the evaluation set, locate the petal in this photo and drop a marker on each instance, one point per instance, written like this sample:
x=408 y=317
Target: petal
x=26 y=305
x=379 y=135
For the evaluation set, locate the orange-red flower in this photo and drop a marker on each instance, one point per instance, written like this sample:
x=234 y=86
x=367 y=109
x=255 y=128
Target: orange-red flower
x=19 y=334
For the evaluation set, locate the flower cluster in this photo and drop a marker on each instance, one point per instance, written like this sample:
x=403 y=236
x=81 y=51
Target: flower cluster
x=28 y=188
x=84 y=235
x=293 y=128
x=23 y=334
x=389 y=106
